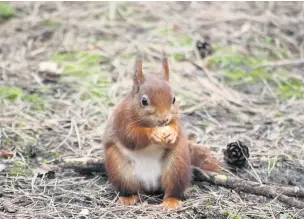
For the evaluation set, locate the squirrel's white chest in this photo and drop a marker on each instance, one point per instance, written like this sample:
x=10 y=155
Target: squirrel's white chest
x=148 y=164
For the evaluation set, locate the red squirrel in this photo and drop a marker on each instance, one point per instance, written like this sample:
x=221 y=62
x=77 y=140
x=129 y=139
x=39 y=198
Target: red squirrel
x=145 y=147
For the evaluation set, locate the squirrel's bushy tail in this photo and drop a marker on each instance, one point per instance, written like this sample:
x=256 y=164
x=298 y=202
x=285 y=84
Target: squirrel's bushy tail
x=202 y=158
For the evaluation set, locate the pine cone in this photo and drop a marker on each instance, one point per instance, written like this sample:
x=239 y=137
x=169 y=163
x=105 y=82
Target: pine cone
x=236 y=154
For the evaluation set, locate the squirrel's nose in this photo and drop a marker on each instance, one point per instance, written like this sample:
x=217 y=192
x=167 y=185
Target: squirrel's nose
x=163 y=121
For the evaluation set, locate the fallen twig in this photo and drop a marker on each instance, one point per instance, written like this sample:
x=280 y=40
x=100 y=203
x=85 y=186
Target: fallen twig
x=270 y=191
x=83 y=164
x=282 y=193
x=282 y=63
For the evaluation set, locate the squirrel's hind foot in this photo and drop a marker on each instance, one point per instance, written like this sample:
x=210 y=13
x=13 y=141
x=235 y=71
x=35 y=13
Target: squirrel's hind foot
x=171 y=203
x=131 y=200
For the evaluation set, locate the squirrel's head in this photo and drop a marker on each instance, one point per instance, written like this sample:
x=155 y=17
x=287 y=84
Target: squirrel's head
x=154 y=100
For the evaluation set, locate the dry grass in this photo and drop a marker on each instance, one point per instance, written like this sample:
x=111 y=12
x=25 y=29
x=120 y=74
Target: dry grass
x=42 y=121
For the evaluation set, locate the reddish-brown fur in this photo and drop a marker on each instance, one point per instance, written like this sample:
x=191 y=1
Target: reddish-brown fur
x=134 y=127
x=178 y=174
x=202 y=158
x=119 y=172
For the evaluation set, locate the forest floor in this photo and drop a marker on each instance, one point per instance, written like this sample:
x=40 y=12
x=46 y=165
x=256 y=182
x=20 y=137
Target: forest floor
x=63 y=66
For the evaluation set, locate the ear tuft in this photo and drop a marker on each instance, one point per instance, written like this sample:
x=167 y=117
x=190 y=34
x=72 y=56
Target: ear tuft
x=165 y=65
x=138 y=77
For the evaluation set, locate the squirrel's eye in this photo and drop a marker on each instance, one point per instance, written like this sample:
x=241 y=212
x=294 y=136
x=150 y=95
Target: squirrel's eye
x=144 y=101
x=173 y=101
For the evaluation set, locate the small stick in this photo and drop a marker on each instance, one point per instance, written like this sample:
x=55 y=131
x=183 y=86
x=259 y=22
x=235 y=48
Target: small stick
x=270 y=191
x=84 y=165
x=282 y=63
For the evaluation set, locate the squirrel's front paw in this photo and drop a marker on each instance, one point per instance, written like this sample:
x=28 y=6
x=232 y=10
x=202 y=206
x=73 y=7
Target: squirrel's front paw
x=164 y=135
x=170 y=135
x=157 y=136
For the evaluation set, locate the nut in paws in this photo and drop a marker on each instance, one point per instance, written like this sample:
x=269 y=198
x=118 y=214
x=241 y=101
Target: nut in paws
x=157 y=136
x=164 y=135
x=170 y=136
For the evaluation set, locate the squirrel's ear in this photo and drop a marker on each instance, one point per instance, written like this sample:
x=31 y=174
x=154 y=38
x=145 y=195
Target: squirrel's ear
x=165 y=66
x=138 y=77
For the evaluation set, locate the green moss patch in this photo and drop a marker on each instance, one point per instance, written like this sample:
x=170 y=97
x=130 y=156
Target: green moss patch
x=19 y=169
x=97 y=91
x=292 y=88
x=52 y=23
x=176 y=39
x=10 y=94
x=6 y=11
x=231 y=215
x=185 y=41
x=279 y=115
x=84 y=68
x=79 y=63
x=165 y=32
x=178 y=57
x=14 y=94
x=36 y=101
x=243 y=70
x=238 y=67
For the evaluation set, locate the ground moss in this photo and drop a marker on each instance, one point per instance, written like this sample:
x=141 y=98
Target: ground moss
x=87 y=67
x=291 y=88
x=231 y=215
x=10 y=93
x=18 y=171
x=243 y=69
x=176 y=39
x=279 y=115
x=273 y=162
x=19 y=168
x=79 y=63
x=178 y=57
x=6 y=11
x=238 y=67
x=52 y=23
x=165 y=32
x=14 y=94
x=18 y=164
x=36 y=101
x=185 y=41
